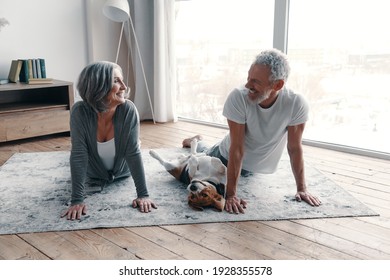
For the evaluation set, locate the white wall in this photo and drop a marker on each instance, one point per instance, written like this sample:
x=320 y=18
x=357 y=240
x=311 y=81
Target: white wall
x=51 y=29
x=68 y=34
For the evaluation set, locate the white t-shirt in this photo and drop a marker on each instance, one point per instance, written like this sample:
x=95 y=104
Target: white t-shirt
x=106 y=151
x=266 y=129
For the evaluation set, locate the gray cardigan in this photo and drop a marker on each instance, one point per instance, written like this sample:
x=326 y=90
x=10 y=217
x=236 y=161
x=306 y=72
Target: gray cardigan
x=84 y=158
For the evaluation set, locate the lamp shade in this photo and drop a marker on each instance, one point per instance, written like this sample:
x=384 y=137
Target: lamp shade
x=117 y=10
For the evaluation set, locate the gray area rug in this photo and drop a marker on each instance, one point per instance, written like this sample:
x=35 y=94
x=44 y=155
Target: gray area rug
x=35 y=190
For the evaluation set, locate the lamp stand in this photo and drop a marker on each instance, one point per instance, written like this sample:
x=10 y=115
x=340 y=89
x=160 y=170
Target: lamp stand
x=119 y=44
x=142 y=67
x=118 y=10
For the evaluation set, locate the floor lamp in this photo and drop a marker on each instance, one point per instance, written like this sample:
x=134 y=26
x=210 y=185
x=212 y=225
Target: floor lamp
x=119 y=11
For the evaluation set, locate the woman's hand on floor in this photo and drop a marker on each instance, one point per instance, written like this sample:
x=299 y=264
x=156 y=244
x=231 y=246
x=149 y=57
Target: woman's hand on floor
x=145 y=204
x=75 y=211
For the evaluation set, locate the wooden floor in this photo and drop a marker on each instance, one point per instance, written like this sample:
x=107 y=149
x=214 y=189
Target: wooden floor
x=365 y=238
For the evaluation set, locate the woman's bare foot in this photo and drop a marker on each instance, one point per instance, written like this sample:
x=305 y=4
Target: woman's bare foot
x=187 y=141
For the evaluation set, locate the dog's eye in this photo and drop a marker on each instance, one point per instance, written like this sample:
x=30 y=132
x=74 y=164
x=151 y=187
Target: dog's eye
x=204 y=195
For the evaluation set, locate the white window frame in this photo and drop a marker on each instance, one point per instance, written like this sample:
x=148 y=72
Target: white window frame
x=280 y=41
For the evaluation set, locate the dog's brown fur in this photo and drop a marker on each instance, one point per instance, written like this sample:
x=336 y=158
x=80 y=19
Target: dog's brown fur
x=206 y=197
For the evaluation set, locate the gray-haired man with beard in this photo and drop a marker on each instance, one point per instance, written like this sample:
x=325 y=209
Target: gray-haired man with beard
x=263 y=116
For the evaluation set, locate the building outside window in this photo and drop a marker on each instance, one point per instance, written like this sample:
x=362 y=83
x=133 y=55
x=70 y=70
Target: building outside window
x=339 y=53
x=216 y=41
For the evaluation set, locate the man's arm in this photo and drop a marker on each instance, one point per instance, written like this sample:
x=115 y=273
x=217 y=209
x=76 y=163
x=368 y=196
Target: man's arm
x=295 y=151
x=236 y=154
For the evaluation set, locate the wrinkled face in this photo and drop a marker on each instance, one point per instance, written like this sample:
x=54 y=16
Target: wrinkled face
x=258 y=84
x=118 y=93
x=203 y=194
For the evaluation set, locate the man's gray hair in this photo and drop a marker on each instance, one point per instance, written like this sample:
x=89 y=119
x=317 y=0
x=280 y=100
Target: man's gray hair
x=276 y=61
x=95 y=82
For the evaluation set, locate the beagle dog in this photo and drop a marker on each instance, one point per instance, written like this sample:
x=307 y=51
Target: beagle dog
x=205 y=176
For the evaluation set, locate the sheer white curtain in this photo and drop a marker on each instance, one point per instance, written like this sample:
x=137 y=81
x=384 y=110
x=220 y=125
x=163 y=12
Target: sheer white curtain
x=154 y=27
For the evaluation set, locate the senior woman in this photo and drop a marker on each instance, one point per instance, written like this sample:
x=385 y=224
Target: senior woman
x=104 y=129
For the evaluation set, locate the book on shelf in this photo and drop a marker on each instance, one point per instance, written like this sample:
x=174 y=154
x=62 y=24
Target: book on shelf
x=33 y=71
x=16 y=66
x=30 y=68
x=24 y=72
x=39 y=72
x=43 y=67
x=38 y=81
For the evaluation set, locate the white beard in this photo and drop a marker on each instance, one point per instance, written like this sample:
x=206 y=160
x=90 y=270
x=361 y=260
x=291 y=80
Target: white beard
x=259 y=98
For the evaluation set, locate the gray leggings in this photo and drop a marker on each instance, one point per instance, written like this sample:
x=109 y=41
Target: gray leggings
x=213 y=151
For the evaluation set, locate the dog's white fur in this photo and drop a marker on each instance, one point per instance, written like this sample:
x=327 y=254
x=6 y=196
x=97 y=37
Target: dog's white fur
x=202 y=170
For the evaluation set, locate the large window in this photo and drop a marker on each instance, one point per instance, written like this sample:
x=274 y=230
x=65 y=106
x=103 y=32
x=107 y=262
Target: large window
x=216 y=41
x=340 y=56
x=339 y=53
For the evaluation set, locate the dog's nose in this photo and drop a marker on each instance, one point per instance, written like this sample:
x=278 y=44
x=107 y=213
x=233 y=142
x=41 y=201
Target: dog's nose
x=193 y=188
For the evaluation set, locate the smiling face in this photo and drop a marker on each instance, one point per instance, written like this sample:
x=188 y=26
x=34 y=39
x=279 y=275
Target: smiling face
x=258 y=83
x=118 y=92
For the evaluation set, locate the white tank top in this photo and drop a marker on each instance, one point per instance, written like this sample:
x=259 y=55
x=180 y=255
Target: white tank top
x=106 y=151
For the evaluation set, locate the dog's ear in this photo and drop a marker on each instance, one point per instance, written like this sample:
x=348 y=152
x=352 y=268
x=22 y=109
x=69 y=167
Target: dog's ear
x=192 y=203
x=195 y=207
x=219 y=203
x=221 y=188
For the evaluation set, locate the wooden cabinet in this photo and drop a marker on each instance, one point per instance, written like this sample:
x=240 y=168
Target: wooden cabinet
x=34 y=110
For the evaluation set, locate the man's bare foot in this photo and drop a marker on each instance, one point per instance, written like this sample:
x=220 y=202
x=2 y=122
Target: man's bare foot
x=187 y=141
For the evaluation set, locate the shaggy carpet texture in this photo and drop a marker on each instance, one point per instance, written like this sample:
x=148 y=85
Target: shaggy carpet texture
x=35 y=190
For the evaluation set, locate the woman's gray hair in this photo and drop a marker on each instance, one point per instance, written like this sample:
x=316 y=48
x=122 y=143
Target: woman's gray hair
x=277 y=62
x=95 y=82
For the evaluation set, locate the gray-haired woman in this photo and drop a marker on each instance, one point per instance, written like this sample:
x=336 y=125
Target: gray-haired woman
x=104 y=130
